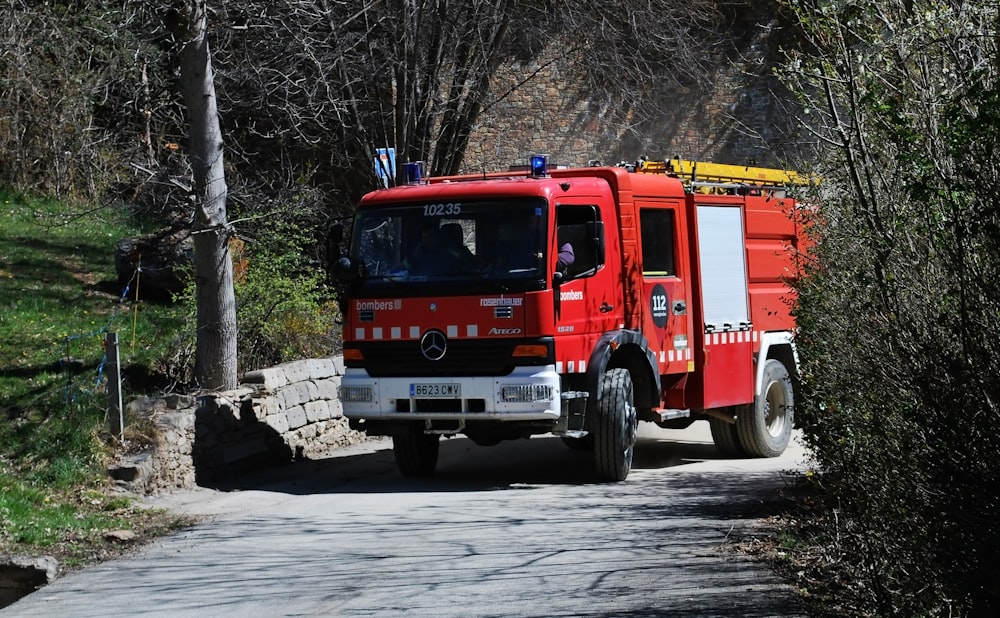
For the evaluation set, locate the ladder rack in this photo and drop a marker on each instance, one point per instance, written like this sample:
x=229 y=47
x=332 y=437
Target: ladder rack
x=703 y=173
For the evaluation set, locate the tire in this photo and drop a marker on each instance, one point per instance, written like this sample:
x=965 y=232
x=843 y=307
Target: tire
x=726 y=437
x=615 y=426
x=416 y=452
x=765 y=428
x=586 y=443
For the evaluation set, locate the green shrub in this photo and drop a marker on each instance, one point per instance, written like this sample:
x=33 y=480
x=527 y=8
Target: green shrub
x=282 y=312
x=901 y=365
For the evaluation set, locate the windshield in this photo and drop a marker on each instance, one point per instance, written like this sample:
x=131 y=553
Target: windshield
x=495 y=245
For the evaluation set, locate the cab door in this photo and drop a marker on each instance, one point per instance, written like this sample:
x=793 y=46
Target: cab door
x=587 y=299
x=666 y=285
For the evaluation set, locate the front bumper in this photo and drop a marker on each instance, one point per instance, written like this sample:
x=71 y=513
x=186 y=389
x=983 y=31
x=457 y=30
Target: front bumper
x=526 y=394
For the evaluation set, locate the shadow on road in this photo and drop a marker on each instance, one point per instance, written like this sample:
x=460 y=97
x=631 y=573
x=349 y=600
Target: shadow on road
x=463 y=466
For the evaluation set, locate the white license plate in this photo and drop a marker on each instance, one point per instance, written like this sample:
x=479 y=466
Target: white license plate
x=436 y=390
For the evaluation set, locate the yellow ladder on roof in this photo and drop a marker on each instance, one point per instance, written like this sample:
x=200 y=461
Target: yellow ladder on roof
x=703 y=171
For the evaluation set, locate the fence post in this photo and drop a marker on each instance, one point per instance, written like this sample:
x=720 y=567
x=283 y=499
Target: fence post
x=116 y=417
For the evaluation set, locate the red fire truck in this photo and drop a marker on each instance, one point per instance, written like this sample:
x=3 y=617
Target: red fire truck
x=574 y=302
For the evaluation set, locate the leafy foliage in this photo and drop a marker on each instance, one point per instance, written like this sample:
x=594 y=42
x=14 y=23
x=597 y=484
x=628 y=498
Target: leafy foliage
x=284 y=306
x=283 y=312
x=900 y=387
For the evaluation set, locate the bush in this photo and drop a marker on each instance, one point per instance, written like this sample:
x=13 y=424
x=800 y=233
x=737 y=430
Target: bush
x=284 y=309
x=900 y=367
x=282 y=313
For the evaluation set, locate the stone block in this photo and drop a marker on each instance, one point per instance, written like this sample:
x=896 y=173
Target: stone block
x=296 y=417
x=259 y=414
x=272 y=378
x=296 y=371
x=179 y=402
x=320 y=368
x=328 y=388
x=277 y=422
x=265 y=405
x=336 y=408
x=317 y=411
x=237 y=394
x=288 y=397
x=181 y=421
x=306 y=390
x=312 y=391
x=215 y=405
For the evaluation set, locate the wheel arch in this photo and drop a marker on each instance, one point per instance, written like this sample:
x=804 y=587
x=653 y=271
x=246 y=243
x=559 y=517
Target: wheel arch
x=781 y=347
x=627 y=349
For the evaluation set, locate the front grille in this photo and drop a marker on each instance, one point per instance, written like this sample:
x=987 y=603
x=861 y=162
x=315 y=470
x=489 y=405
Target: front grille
x=464 y=357
x=440 y=405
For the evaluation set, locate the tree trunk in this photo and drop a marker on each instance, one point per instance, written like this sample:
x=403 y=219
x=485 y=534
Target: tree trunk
x=215 y=358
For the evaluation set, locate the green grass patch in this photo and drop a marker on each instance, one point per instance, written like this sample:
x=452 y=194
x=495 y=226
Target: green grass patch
x=58 y=298
x=59 y=295
x=79 y=527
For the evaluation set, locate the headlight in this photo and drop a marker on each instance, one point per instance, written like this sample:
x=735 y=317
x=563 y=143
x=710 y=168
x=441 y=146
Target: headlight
x=357 y=394
x=526 y=392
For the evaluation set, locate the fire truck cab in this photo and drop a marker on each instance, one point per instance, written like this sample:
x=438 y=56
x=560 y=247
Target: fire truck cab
x=574 y=302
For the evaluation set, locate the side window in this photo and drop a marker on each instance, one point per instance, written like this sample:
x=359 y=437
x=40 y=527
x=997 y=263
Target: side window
x=657 y=231
x=579 y=240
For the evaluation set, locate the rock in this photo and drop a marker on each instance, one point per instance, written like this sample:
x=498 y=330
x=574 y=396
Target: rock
x=121 y=536
x=134 y=471
x=22 y=575
x=159 y=258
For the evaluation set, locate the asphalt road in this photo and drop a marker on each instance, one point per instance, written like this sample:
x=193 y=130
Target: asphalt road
x=513 y=530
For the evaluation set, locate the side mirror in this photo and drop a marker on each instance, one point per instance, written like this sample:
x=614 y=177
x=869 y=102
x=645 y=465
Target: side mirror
x=344 y=271
x=336 y=235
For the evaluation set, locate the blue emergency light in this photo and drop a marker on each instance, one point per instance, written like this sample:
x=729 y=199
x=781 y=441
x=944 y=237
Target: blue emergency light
x=538 y=163
x=414 y=172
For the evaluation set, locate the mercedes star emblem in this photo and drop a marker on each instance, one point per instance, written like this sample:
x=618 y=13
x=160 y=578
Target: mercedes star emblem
x=433 y=345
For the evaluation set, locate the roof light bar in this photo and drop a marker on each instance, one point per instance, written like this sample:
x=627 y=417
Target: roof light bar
x=538 y=166
x=414 y=172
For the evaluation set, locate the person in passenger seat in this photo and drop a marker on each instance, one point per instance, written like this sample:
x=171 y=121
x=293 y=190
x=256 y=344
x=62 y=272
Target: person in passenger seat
x=566 y=255
x=453 y=241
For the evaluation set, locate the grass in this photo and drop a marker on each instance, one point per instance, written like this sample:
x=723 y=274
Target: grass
x=59 y=295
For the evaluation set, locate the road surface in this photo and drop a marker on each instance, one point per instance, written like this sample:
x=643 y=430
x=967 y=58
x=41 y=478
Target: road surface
x=513 y=530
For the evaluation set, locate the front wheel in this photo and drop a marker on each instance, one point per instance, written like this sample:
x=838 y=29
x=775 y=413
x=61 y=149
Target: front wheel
x=765 y=428
x=615 y=426
x=416 y=452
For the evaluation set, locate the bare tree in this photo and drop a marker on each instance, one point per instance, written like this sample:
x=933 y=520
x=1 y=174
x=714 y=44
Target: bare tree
x=352 y=77
x=215 y=358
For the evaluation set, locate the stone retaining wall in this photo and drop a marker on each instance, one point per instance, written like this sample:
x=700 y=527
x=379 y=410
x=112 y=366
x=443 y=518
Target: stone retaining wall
x=278 y=414
x=738 y=113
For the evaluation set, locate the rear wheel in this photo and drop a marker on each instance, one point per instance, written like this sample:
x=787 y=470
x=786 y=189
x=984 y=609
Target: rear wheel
x=765 y=428
x=725 y=435
x=416 y=452
x=615 y=426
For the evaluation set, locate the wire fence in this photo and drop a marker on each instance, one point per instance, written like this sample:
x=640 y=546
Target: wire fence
x=80 y=384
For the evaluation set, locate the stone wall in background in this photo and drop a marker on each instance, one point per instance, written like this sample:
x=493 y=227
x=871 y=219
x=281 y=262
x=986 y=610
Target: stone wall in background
x=279 y=414
x=740 y=114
